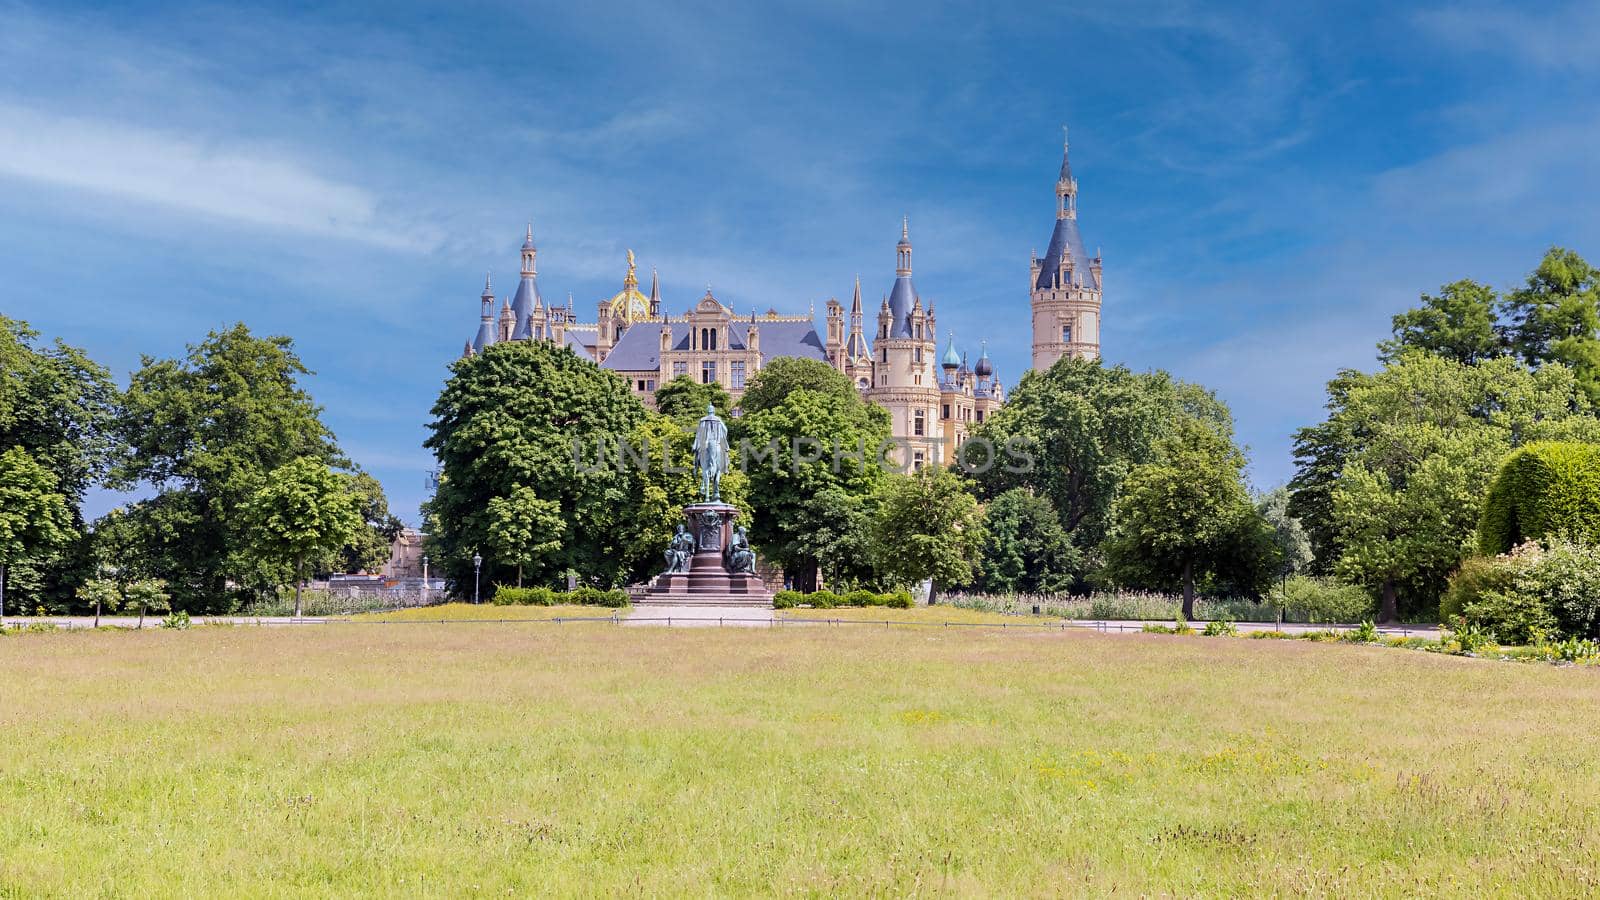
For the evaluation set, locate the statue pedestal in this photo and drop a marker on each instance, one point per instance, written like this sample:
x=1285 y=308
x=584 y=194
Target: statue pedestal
x=708 y=582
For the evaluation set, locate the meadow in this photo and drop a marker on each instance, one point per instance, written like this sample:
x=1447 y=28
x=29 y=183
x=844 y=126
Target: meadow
x=535 y=758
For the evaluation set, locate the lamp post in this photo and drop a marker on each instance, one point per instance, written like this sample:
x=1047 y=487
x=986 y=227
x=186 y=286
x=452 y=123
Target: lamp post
x=477 y=567
x=424 y=580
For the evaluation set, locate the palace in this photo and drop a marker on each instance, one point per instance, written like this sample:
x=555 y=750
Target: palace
x=933 y=399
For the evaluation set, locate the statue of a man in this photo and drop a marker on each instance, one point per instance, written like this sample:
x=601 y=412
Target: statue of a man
x=679 y=551
x=741 y=559
x=711 y=454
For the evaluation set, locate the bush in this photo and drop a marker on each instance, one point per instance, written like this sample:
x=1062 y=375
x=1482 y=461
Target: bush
x=1366 y=634
x=1566 y=578
x=524 y=596
x=1220 y=628
x=899 y=600
x=543 y=596
x=178 y=620
x=1542 y=490
x=788 y=599
x=1309 y=599
x=1530 y=592
x=830 y=600
x=1477 y=575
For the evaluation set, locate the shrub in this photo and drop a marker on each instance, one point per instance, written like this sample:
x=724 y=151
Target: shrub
x=1468 y=638
x=824 y=599
x=1271 y=635
x=1542 y=490
x=788 y=599
x=524 y=596
x=1367 y=633
x=860 y=597
x=1530 y=592
x=1220 y=628
x=178 y=620
x=829 y=600
x=899 y=600
x=1566 y=579
x=1308 y=599
x=543 y=596
x=1469 y=583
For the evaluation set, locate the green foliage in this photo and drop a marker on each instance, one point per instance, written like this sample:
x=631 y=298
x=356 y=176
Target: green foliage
x=511 y=418
x=1085 y=426
x=1315 y=599
x=100 y=594
x=147 y=595
x=1532 y=592
x=523 y=529
x=303 y=513
x=831 y=600
x=370 y=546
x=205 y=430
x=1179 y=626
x=1542 y=489
x=1459 y=324
x=33 y=514
x=927 y=527
x=178 y=620
x=1556 y=317
x=1186 y=516
x=1367 y=633
x=1468 y=637
x=1220 y=628
x=1293 y=546
x=1024 y=548
x=615 y=598
x=684 y=400
x=812 y=502
x=788 y=599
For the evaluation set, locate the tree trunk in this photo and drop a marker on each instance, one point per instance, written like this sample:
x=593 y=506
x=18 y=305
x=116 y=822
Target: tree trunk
x=933 y=592
x=141 y=615
x=297 y=579
x=519 y=575
x=1389 y=610
x=1188 y=591
x=2 y=596
x=97 y=614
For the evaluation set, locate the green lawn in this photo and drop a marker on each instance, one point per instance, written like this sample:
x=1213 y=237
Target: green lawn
x=366 y=760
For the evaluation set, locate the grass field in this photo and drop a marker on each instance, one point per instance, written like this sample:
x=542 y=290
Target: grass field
x=589 y=759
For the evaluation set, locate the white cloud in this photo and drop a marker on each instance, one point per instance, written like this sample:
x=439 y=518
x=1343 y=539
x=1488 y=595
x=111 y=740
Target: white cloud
x=237 y=183
x=1560 y=39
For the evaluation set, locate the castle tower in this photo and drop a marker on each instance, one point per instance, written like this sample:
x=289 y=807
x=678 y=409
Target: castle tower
x=487 y=333
x=1065 y=285
x=903 y=378
x=525 y=304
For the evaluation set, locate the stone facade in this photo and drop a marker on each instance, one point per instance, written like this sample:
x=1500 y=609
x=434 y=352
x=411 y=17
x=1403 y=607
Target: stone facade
x=934 y=402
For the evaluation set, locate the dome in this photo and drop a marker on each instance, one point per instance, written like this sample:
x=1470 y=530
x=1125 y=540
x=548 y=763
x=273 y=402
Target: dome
x=984 y=368
x=628 y=304
x=951 y=357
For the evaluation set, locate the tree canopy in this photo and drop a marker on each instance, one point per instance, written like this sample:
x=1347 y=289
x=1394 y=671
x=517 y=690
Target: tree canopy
x=34 y=516
x=1023 y=547
x=927 y=527
x=302 y=513
x=685 y=399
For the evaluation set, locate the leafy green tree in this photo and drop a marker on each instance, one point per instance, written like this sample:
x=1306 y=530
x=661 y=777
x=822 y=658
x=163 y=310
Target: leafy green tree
x=1556 y=317
x=370 y=547
x=1024 y=549
x=685 y=399
x=1186 y=516
x=150 y=595
x=204 y=431
x=530 y=415
x=100 y=593
x=1458 y=324
x=523 y=528
x=1086 y=426
x=812 y=450
x=303 y=513
x=33 y=514
x=927 y=527
x=58 y=406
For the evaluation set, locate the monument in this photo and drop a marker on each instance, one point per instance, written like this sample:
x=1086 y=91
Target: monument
x=709 y=561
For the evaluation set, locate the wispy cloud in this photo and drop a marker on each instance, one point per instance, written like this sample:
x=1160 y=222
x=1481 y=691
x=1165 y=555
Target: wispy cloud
x=1563 y=37
x=232 y=182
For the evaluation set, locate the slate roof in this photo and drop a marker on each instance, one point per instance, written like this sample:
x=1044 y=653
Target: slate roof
x=1064 y=240
x=639 y=348
x=523 y=304
x=901 y=299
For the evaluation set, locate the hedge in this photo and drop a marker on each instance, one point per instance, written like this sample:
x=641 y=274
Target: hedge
x=1542 y=489
x=543 y=596
x=829 y=600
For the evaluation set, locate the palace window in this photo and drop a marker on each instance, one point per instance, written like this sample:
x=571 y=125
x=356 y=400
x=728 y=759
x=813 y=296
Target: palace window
x=918 y=423
x=917 y=354
x=649 y=384
x=947 y=411
x=916 y=460
x=708 y=372
x=641 y=384
x=1066 y=334
x=680 y=368
x=736 y=374
x=980 y=415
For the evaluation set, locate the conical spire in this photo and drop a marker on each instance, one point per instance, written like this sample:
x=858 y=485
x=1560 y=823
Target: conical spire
x=528 y=243
x=855 y=301
x=655 y=293
x=952 y=359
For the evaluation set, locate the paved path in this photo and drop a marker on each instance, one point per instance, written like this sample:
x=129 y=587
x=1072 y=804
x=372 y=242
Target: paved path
x=699 y=616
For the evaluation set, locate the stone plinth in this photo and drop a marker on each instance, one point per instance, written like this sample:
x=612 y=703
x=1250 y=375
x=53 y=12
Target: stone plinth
x=708 y=582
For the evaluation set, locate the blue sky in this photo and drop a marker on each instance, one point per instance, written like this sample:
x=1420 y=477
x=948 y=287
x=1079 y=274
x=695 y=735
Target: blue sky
x=1269 y=182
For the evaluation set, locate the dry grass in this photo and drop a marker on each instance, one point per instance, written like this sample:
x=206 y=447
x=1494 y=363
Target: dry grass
x=487 y=612
x=589 y=759
x=928 y=615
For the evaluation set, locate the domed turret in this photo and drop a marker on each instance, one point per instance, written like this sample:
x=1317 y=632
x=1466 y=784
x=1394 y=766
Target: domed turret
x=952 y=359
x=984 y=368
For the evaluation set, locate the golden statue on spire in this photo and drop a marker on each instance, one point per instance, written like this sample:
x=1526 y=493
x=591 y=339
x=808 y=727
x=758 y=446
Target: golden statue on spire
x=629 y=305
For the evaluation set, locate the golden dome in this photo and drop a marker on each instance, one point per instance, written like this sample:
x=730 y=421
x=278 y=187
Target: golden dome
x=629 y=305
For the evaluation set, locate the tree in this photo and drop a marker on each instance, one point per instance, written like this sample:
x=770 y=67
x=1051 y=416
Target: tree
x=1542 y=490
x=1024 y=549
x=1556 y=317
x=812 y=450
x=33 y=515
x=1186 y=516
x=527 y=414
x=370 y=546
x=100 y=593
x=304 y=512
x=1458 y=324
x=204 y=431
x=685 y=399
x=1086 y=426
x=1293 y=546
x=523 y=528
x=58 y=406
x=150 y=595
x=926 y=528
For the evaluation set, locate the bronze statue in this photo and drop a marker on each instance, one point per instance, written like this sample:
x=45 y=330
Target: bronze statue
x=680 y=551
x=711 y=454
x=741 y=559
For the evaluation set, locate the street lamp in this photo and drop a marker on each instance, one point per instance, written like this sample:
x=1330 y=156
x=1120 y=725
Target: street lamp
x=477 y=566
x=424 y=580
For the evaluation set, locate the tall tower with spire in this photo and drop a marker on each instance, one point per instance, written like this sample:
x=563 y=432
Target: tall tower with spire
x=1065 y=285
x=904 y=380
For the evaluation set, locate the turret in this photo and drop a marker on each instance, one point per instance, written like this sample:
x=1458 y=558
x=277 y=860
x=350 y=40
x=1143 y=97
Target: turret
x=525 y=305
x=486 y=329
x=952 y=359
x=508 y=320
x=655 y=294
